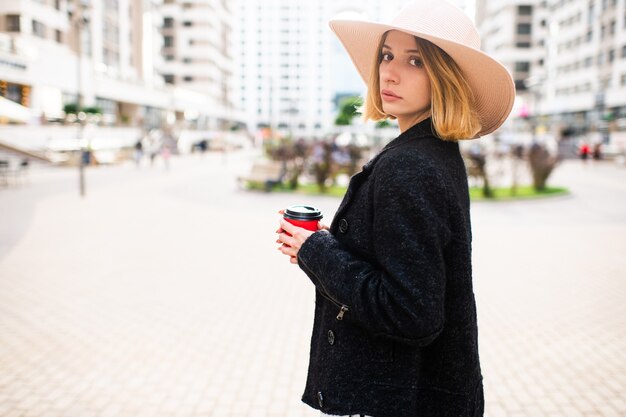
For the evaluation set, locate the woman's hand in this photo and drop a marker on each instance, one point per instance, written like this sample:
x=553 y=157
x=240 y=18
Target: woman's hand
x=291 y=238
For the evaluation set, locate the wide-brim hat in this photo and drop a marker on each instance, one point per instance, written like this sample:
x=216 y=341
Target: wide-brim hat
x=446 y=26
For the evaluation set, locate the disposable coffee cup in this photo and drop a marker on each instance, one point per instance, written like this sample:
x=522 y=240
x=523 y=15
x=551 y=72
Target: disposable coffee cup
x=306 y=217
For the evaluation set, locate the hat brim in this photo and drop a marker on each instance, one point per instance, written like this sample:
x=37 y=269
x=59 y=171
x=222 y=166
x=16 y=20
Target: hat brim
x=491 y=83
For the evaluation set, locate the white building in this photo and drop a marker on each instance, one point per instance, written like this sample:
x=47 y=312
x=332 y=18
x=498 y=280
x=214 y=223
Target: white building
x=120 y=49
x=282 y=75
x=514 y=33
x=568 y=59
x=198 y=52
x=584 y=86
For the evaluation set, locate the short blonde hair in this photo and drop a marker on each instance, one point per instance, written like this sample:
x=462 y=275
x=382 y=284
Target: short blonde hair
x=451 y=102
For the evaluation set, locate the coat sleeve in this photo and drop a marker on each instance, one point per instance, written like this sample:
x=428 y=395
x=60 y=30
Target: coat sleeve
x=400 y=293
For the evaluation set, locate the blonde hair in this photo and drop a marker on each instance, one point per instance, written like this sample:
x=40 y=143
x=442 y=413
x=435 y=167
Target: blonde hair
x=451 y=101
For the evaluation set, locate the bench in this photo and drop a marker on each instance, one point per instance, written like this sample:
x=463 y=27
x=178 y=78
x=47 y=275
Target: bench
x=13 y=170
x=265 y=173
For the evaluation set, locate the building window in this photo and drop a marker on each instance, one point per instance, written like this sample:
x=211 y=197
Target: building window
x=611 y=55
x=168 y=41
x=58 y=35
x=187 y=23
x=524 y=10
x=589 y=36
x=522 y=66
x=168 y=78
x=601 y=58
x=624 y=51
x=169 y=57
x=523 y=44
x=188 y=78
x=57 y=4
x=187 y=60
x=39 y=29
x=524 y=29
x=13 y=22
x=623 y=79
x=168 y=22
x=588 y=62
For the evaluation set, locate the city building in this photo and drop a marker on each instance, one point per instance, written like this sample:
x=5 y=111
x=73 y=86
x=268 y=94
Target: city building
x=568 y=59
x=514 y=33
x=198 y=53
x=584 y=86
x=119 y=43
x=283 y=68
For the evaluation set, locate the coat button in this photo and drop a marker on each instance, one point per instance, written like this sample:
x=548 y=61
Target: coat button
x=343 y=225
x=331 y=337
x=320 y=399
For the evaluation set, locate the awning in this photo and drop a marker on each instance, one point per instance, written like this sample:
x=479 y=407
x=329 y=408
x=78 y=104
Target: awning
x=14 y=112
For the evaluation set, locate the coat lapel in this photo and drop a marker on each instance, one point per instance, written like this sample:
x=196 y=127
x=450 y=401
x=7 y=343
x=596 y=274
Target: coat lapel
x=421 y=129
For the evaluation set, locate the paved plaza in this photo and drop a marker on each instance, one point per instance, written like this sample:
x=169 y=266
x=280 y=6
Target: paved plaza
x=161 y=294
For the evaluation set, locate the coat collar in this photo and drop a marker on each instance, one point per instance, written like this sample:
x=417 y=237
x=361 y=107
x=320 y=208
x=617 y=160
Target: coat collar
x=419 y=130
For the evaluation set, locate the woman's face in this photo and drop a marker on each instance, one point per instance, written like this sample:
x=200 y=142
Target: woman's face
x=404 y=83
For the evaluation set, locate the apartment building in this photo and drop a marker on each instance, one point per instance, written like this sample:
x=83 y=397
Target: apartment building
x=584 y=85
x=514 y=32
x=198 y=53
x=104 y=53
x=568 y=59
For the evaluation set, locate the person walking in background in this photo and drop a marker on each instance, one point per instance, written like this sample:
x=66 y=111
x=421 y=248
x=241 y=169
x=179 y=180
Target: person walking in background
x=395 y=331
x=138 y=152
x=584 y=151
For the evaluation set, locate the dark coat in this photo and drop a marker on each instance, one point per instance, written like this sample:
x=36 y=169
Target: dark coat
x=395 y=332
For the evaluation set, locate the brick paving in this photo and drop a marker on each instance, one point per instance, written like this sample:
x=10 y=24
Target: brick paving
x=162 y=294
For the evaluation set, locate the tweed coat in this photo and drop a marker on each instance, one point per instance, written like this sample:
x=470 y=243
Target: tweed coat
x=395 y=330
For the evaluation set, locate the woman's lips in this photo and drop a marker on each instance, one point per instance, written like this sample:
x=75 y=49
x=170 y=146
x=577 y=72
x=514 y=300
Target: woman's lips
x=388 y=95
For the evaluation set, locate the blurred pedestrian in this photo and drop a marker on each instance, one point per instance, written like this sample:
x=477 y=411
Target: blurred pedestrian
x=395 y=332
x=138 y=152
x=584 y=151
x=597 y=151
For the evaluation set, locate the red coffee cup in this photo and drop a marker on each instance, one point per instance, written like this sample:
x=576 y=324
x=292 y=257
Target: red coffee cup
x=306 y=217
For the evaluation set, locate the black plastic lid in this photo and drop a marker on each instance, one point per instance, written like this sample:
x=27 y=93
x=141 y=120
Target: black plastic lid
x=303 y=213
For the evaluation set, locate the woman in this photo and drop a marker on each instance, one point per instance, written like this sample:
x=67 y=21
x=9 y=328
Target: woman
x=395 y=330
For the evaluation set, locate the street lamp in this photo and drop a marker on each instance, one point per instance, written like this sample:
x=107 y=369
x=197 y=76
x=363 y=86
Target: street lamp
x=80 y=19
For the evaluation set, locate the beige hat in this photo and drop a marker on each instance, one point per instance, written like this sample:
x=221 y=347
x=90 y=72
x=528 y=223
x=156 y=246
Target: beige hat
x=449 y=28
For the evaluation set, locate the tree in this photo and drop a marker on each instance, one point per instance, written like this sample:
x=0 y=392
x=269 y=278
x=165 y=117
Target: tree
x=542 y=163
x=348 y=109
x=382 y=124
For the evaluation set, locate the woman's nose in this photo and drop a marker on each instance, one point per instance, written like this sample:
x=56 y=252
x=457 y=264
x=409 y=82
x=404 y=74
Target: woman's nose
x=388 y=73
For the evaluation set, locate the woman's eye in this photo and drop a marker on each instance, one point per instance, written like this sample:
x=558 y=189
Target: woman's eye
x=386 y=56
x=417 y=62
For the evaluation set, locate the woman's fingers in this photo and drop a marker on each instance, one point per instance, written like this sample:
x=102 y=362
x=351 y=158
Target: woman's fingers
x=288 y=240
x=291 y=237
x=288 y=227
x=288 y=250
